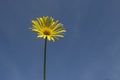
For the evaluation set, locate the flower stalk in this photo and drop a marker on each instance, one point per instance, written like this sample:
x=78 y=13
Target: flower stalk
x=45 y=46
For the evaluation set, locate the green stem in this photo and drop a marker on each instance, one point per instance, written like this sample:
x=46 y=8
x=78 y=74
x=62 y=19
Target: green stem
x=45 y=45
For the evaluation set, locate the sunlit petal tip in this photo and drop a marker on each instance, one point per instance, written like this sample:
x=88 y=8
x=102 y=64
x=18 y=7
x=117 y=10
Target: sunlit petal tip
x=29 y=28
x=38 y=36
x=64 y=31
x=33 y=21
x=53 y=40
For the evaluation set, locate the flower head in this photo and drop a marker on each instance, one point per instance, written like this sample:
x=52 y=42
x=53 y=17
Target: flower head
x=48 y=28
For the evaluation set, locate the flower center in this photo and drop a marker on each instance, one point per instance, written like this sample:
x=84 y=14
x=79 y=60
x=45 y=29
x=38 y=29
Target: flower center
x=47 y=32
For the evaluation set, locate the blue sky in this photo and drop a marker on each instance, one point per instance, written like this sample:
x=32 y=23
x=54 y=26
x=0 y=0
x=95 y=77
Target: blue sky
x=89 y=51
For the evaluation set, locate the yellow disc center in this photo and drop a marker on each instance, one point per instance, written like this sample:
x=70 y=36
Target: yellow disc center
x=47 y=32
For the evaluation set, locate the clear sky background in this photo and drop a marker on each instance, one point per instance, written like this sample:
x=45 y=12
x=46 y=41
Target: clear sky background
x=89 y=51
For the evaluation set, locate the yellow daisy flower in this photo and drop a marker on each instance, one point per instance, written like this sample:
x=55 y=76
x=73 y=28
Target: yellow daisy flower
x=48 y=28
